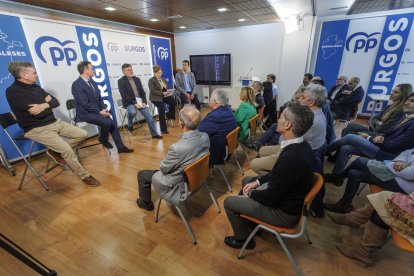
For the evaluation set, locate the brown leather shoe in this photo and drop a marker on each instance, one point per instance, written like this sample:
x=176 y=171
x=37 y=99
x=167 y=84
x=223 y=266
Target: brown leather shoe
x=56 y=156
x=339 y=207
x=91 y=181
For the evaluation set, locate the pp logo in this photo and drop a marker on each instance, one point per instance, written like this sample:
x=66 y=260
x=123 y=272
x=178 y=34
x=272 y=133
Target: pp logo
x=57 y=53
x=112 y=47
x=361 y=41
x=162 y=53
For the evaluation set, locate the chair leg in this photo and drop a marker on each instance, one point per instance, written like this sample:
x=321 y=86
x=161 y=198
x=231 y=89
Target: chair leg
x=282 y=243
x=158 y=210
x=213 y=198
x=225 y=179
x=245 y=152
x=362 y=187
x=237 y=162
x=187 y=225
x=248 y=240
x=308 y=236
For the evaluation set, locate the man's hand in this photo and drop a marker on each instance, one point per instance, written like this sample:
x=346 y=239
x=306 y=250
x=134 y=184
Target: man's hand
x=37 y=108
x=48 y=98
x=399 y=166
x=378 y=139
x=104 y=112
x=139 y=106
x=363 y=135
x=249 y=186
x=188 y=96
x=165 y=93
x=191 y=97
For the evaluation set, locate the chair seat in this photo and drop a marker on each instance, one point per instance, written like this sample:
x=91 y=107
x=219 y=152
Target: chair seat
x=375 y=188
x=401 y=242
x=275 y=228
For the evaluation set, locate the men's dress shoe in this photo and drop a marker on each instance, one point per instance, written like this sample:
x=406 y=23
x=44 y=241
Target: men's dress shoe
x=157 y=137
x=106 y=144
x=251 y=145
x=91 y=181
x=332 y=178
x=130 y=129
x=149 y=206
x=125 y=150
x=340 y=207
x=235 y=243
x=56 y=156
x=165 y=132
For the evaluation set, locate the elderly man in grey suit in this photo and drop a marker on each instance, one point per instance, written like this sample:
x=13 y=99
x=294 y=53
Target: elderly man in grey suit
x=185 y=84
x=169 y=180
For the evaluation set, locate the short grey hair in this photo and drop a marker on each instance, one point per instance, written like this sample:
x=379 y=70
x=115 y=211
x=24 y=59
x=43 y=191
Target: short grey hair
x=257 y=85
x=220 y=96
x=16 y=68
x=344 y=77
x=300 y=116
x=190 y=117
x=317 y=93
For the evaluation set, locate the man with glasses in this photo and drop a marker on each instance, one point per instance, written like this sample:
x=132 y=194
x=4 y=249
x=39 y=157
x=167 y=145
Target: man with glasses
x=345 y=106
x=336 y=91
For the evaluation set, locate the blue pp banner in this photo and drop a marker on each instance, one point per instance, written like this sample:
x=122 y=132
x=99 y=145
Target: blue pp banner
x=90 y=43
x=388 y=59
x=330 y=50
x=161 y=56
x=13 y=47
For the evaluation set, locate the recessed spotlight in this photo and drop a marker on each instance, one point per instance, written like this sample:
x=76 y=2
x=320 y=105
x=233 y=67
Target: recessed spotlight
x=242 y=19
x=222 y=9
x=183 y=27
x=110 y=9
x=154 y=20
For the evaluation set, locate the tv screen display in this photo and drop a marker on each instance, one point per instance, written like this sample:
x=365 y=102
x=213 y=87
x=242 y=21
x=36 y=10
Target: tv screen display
x=211 y=69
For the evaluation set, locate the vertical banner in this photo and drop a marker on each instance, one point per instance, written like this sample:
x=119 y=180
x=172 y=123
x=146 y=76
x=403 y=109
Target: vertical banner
x=13 y=47
x=330 y=50
x=161 y=56
x=91 y=47
x=391 y=48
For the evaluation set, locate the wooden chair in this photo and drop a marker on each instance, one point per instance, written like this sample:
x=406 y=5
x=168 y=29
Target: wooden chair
x=292 y=233
x=399 y=241
x=232 y=143
x=260 y=119
x=196 y=175
x=253 y=126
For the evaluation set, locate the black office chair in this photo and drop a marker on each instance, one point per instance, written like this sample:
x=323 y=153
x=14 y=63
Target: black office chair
x=7 y=120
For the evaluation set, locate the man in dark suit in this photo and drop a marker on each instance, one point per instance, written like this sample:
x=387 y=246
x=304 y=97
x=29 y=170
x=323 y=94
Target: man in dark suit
x=336 y=91
x=217 y=124
x=347 y=103
x=90 y=107
x=131 y=90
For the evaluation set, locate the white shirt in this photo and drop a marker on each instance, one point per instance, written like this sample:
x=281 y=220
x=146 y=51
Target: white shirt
x=286 y=143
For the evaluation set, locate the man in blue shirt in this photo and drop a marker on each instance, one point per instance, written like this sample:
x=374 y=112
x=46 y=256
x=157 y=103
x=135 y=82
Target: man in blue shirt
x=185 y=84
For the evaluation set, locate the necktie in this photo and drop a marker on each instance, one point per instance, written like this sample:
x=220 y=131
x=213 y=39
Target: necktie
x=92 y=89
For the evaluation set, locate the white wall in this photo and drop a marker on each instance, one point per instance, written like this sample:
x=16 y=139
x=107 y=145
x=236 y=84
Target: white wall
x=258 y=47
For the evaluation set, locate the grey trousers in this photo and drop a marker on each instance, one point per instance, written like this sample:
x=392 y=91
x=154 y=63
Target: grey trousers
x=236 y=205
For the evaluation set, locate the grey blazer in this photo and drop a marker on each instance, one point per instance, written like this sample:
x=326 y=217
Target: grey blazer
x=169 y=180
x=155 y=89
x=180 y=82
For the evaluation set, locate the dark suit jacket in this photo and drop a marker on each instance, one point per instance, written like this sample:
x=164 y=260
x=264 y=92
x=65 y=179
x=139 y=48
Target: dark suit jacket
x=345 y=105
x=127 y=94
x=88 y=102
x=155 y=89
x=339 y=94
x=217 y=124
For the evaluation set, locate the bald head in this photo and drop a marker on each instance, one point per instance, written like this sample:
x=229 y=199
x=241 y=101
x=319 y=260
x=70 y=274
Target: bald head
x=190 y=117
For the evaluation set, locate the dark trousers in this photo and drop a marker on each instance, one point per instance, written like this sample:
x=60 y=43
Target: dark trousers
x=161 y=111
x=107 y=125
x=144 y=184
x=195 y=101
x=317 y=203
x=270 y=111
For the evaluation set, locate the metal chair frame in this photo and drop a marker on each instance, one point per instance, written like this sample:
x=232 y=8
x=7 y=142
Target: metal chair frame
x=253 y=127
x=122 y=112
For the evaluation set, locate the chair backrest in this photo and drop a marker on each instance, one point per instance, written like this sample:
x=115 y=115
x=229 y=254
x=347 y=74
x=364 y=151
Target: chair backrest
x=7 y=119
x=232 y=140
x=253 y=125
x=70 y=104
x=198 y=172
x=260 y=112
x=317 y=185
x=119 y=103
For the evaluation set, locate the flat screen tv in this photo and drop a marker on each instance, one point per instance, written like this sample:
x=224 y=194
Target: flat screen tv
x=211 y=69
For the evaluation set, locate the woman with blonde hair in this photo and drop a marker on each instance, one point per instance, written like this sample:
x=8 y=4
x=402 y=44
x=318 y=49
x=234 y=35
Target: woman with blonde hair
x=246 y=111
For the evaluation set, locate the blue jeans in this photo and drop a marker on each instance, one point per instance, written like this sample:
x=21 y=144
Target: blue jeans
x=350 y=144
x=132 y=111
x=269 y=138
x=358 y=172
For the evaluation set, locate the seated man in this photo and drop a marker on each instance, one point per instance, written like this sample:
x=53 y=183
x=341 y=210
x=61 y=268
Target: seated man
x=378 y=147
x=32 y=107
x=276 y=202
x=344 y=106
x=90 y=107
x=395 y=176
x=169 y=180
x=131 y=90
x=217 y=124
x=185 y=84
x=336 y=91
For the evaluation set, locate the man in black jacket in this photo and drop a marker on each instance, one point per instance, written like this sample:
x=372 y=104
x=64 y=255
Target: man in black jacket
x=278 y=200
x=133 y=98
x=32 y=107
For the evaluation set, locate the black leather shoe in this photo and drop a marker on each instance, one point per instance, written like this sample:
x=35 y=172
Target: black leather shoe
x=235 y=243
x=125 y=150
x=332 y=178
x=165 y=132
x=144 y=205
x=340 y=207
x=106 y=144
x=157 y=137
